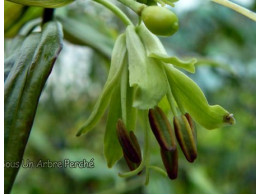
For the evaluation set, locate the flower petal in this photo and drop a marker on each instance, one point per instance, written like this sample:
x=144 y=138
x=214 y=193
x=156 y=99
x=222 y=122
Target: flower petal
x=195 y=102
x=155 y=49
x=112 y=148
x=186 y=65
x=151 y=42
x=117 y=62
x=145 y=73
x=127 y=99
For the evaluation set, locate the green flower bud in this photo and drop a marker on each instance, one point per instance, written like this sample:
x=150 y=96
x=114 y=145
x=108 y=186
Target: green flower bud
x=160 y=20
x=186 y=136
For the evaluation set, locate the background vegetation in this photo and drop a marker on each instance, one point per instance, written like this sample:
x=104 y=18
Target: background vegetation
x=226 y=163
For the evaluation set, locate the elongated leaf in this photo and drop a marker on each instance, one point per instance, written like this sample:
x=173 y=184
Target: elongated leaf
x=81 y=33
x=194 y=101
x=12 y=52
x=17 y=11
x=16 y=80
x=117 y=62
x=19 y=16
x=112 y=148
x=145 y=73
x=23 y=87
x=43 y=3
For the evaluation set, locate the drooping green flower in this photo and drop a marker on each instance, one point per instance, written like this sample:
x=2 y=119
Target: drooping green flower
x=140 y=76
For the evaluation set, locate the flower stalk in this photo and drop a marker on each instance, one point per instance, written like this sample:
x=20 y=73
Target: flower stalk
x=237 y=8
x=134 y=5
x=116 y=11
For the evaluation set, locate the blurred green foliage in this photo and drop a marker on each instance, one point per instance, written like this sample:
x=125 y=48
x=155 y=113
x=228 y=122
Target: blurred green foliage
x=226 y=160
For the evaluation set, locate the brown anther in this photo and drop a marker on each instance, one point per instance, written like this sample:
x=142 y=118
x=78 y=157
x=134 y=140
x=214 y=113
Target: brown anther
x=161 y=128
x=170 y=161
x=129 y=148
x=186 y=136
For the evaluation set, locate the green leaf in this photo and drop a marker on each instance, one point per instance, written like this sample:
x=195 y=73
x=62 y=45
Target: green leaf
x=194 y=101
x=155 y=49
x=117 y=63
x=81 y=33
x=145 y=73
x=19 y=17
x=112 y=148
x=23 y=87
x=12 y=52
x=16 y=80
x=43 y=3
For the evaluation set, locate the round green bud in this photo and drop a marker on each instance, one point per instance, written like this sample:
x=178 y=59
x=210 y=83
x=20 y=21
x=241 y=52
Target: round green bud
x=160 y=20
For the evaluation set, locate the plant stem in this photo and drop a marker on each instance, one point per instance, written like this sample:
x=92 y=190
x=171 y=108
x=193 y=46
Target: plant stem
x=47 y=16
x=116 y=11
x=158 y=169
x=135 y=6
x=237 y=8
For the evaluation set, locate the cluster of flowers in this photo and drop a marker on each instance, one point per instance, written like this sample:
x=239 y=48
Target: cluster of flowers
x=141 y=75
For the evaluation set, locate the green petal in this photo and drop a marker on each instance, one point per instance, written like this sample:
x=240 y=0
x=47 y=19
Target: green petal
x=151 y=42
x=155 y=49
x=145 y=73
x=186 y=65
x=195 y=102
x=117 y=62
x=112 y=148
x=127 y=100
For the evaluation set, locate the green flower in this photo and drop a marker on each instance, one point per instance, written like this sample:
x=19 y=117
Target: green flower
x=140 y=76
